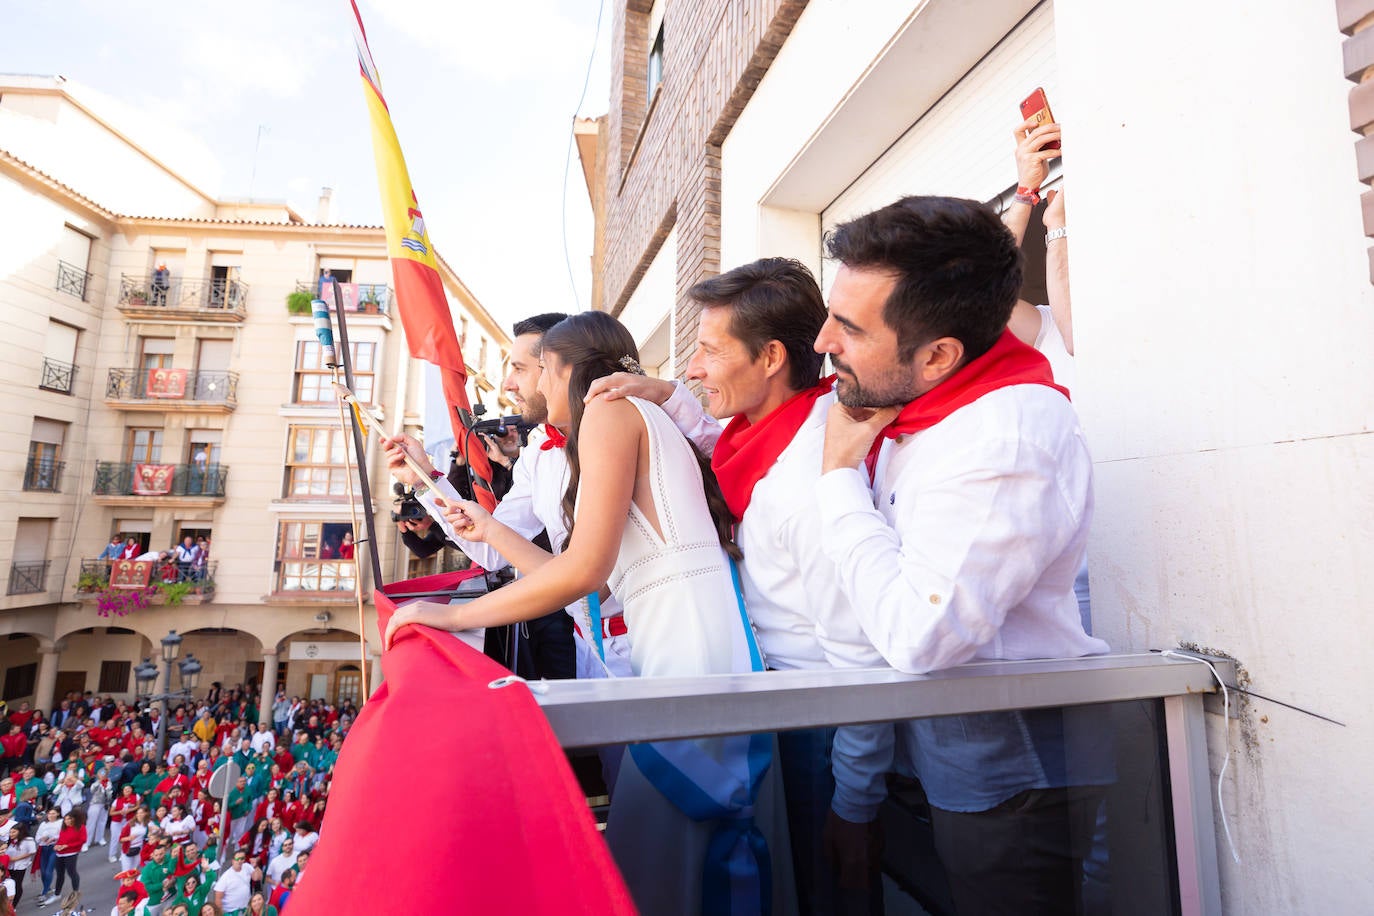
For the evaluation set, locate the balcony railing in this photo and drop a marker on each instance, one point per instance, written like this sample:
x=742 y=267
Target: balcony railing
x=95 y=575
x=369 y=298
x=216 y=298
x=57 y=376
x=44 y=475
x=299 y=575
x=171 y=385
x=1154 y=833
x=120 y=478
x=72 y=280
x=28 y=578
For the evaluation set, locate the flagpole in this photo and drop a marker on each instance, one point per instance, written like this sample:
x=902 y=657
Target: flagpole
x=359 y=443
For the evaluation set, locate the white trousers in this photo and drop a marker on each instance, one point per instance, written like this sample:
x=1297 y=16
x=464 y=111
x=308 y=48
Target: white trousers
x=97 y=819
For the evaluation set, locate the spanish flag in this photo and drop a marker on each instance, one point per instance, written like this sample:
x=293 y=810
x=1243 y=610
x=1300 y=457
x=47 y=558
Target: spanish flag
x=420 y=297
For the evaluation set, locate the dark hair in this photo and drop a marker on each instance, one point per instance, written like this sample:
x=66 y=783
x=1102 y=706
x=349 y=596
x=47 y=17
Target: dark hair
x=958 y=269
x=772 y=299
x=538 y=324
x=594 y=343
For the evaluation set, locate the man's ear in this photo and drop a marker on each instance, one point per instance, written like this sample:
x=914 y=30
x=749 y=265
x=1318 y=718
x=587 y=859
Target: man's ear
x=774 y=358
x=938 y=360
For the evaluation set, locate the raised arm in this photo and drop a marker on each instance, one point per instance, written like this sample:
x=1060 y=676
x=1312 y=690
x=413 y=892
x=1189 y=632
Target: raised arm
x=613 y=436
x=1057 y=270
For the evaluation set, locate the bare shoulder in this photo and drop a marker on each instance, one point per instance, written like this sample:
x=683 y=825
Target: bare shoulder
x=620 y=418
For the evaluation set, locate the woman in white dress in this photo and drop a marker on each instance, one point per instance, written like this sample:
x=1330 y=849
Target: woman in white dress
x=651 y=525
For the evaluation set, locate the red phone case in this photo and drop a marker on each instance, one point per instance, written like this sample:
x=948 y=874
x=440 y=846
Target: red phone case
x=1037 y=106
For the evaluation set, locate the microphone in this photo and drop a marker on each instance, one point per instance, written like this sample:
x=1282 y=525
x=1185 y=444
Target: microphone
x=324 y=332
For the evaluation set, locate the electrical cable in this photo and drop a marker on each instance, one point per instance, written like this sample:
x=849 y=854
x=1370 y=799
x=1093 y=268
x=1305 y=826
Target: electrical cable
x=567 y=154
x=1226 y=761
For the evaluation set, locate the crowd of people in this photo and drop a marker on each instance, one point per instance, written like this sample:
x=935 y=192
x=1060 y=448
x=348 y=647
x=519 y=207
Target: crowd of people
x=925 y=506
x=186 y=561
x=89 y=775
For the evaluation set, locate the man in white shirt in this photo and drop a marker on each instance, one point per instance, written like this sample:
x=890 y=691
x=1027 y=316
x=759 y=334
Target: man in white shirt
x=184 y=747
x=235 y=886
x=956 y=497
x=755 y=361
x=281 y=862
x=264 y=742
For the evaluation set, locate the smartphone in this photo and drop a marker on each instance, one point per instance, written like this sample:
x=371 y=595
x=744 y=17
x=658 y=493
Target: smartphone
x=1036 y=106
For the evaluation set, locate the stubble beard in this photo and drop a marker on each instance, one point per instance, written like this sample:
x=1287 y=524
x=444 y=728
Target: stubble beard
x=890 y=389
x=535 y=409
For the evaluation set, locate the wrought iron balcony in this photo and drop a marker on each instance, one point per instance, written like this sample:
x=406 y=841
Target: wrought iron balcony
x=172 y=388
x=43 y=474
x=95 y=576
x=368 y=298
x=28 y=578
x=208 y=300
x=126 y=478
x=72 y=280
x=57 y=376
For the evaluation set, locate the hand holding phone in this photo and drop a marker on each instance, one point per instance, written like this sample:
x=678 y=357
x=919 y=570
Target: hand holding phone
x=1035 y=107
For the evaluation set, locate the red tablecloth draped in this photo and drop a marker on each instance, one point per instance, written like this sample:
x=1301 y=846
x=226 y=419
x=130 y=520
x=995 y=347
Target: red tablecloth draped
x=453 y=797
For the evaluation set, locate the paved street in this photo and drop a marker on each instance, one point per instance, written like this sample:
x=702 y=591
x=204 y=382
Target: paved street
x=97 y=885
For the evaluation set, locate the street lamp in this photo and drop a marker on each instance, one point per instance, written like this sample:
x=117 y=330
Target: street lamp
x=146 y=676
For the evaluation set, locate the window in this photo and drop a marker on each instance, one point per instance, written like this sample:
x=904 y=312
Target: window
x=145 y=446
x=59 y=358
x=315 y=556
x=114 y=677
x=29 y=566
x=315 y=462
x=73 y=257
x=44 y=468
x=155 y=352
x=655 y=73
x=203 y=448
x=314 y=379
x=20 y=680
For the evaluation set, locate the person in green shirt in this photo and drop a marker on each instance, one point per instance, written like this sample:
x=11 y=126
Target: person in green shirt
x=31 y=780
x=145 y=781
x=240 y=807
x=258 y=781
x=192 y=893
x=303 y=749
x=244 y=755
x=157 y=875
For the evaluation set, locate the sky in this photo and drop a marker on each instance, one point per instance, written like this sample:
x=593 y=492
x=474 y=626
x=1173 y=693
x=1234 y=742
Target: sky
x=262 y=98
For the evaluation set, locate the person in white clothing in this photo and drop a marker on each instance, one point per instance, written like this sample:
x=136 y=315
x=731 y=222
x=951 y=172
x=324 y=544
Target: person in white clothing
x=956 y=494
x=306 y=837
x=755 y=362
x=281 y=862
x=652 y=526
x=183 y=748
x=179 y=825
x=70 y=794
x=264 y=742
x=235 y=885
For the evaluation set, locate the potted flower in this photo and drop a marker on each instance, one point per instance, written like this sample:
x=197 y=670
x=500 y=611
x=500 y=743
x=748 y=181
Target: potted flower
x=368 y=303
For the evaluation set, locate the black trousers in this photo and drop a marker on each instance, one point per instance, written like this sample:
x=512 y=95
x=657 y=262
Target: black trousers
x=66 y=865
x=1021 y=858
x=547 y=651
x=18 y=875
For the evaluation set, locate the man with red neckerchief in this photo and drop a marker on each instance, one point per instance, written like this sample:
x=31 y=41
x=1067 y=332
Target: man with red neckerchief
x=755 y=362
x=956 y=497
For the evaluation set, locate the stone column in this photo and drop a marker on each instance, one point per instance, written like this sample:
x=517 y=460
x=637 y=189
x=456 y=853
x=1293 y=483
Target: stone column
x=46 y=681
x=268 y=688
x=374 y=664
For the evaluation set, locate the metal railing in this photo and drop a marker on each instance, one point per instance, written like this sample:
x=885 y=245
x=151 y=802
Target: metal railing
x=72 y=280
x=370 y=298
x=57 y=376
x=95 y=575
x=613 y=711
x=141 y=385
x=28 y=578
x=209 y=297
x=43 y=474
x=127 y=478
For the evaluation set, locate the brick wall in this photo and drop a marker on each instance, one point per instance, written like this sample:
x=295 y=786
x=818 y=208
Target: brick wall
x=663 y=168
x=1356 y=19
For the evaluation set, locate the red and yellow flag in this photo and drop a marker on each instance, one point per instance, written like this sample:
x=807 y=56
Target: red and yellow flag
x=420 y=297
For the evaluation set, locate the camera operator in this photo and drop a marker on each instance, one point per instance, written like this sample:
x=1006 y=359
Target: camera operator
x=418 y=531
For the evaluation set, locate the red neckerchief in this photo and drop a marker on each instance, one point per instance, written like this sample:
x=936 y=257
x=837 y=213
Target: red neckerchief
x=1009 y=362
x=747 y=451
x=555 y=438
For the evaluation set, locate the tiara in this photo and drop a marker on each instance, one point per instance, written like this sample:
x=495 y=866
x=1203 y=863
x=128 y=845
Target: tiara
x=632 y=365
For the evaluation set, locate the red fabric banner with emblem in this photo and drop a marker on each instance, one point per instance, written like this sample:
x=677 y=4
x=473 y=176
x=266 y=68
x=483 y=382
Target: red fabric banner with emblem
x=499 y=823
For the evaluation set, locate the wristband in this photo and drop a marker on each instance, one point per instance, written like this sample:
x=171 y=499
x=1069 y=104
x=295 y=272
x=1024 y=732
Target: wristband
x=1025 y=195
x=435 y=475
x=1059 y=233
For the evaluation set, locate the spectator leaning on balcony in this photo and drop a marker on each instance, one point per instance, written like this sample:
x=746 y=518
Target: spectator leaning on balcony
x=187 y=554
x=113 y=550
x=755 y=360
x=956 y=497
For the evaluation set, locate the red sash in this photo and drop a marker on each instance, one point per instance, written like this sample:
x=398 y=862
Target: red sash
x=747 y=451
x=1009 y=362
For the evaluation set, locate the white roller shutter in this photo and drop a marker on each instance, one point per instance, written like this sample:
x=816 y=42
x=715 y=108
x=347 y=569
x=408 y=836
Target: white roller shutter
x=962 y=146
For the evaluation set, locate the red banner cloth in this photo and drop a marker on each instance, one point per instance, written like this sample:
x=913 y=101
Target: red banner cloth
x=166 y=383
x=491 y=819
x=153 y=479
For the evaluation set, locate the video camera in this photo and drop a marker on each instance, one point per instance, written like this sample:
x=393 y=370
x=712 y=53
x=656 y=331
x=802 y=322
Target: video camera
x=408 y=508
x=501 y=426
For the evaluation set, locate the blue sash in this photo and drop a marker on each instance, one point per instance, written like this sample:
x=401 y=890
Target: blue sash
x=737 y=876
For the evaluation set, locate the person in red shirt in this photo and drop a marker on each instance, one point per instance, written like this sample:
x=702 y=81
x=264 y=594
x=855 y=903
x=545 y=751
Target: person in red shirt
x=121 y=809
x=22 y=715
x=128 y=881
x=292 y=810
x=269 y=807
x=283 y=890
x=68 y=849
x=14 y=745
